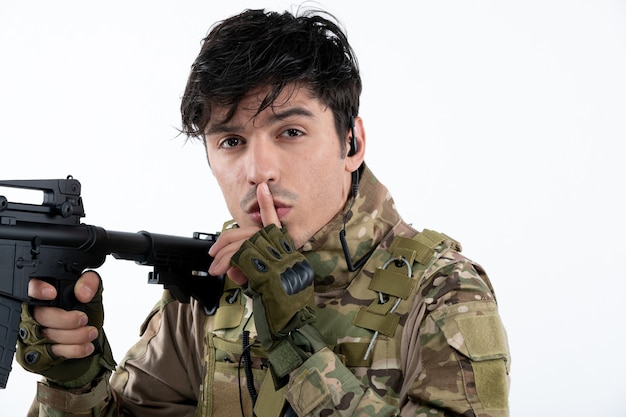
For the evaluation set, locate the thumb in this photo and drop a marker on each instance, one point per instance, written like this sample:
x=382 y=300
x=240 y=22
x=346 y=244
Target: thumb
x=87 y=286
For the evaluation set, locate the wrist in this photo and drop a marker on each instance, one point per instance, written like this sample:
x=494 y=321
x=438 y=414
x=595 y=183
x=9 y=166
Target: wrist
x=80 y=401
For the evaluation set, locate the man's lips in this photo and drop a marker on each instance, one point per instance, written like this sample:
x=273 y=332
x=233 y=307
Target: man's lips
x=255 y=213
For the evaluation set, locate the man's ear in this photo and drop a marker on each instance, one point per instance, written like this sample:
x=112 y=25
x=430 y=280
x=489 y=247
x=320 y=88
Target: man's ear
x=355 y=146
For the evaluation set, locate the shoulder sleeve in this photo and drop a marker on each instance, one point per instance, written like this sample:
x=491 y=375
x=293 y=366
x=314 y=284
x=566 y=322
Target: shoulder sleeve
x=463 y=360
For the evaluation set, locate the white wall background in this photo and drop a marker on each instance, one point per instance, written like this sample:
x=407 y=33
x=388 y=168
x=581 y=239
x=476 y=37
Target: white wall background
x=500 y=123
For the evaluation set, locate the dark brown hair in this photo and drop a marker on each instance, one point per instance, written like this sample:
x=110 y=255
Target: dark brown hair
x=268 y=49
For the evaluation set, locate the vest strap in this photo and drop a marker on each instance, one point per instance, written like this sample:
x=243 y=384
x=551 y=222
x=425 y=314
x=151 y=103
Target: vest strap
x=270 y=401
x=392 y=283
x=421 y=247
x=384 y=324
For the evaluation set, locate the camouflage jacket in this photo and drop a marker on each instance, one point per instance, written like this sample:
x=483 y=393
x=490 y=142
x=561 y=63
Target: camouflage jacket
x=440 y=351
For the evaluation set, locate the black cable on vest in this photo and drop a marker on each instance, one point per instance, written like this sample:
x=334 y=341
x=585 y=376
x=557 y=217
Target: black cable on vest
x=346 y=252
x=247 y=367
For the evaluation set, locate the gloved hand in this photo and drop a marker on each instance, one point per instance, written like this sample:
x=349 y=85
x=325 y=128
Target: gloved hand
x=35 y=355
x=280 y=282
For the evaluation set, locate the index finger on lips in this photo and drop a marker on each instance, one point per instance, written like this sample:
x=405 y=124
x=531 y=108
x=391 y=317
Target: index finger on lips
x=266 y=206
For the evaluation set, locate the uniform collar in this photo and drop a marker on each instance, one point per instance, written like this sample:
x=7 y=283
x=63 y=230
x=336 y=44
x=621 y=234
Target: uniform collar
x=368 y=220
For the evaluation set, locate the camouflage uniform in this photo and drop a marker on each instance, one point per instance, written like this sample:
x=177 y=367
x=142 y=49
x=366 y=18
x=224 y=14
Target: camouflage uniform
x=445 y=353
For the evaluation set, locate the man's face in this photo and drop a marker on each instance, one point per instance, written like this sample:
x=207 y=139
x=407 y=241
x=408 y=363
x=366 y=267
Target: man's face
x=291 y=146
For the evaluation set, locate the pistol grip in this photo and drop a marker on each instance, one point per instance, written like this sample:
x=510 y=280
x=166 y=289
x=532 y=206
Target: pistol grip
x=65 y=299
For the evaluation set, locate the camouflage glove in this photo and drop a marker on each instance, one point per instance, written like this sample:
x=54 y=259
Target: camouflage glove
x=35 y=355
x=280 y=282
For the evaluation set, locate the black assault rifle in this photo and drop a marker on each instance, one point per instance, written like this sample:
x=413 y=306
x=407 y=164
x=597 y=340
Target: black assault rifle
x=48 y=241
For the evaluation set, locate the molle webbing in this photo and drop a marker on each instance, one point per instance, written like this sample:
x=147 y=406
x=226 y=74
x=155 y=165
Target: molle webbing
x=395 y=280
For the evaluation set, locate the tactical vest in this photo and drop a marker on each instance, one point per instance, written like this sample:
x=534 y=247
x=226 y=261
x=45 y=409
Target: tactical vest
x=362 y=325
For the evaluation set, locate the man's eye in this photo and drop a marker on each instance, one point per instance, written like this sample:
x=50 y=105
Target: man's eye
x=292 y=133
x=230 y=143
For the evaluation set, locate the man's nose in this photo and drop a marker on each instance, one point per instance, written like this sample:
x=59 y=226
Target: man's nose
x=262 y=162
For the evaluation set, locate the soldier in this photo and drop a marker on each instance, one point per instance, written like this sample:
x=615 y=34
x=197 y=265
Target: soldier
x=334 y=305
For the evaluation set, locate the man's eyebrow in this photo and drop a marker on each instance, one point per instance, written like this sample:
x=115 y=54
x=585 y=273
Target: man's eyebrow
x=274 y=117
x=293 y=111
x=222 y=128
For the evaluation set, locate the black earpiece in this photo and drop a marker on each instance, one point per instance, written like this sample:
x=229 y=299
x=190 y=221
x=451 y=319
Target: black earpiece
x=353 y=145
